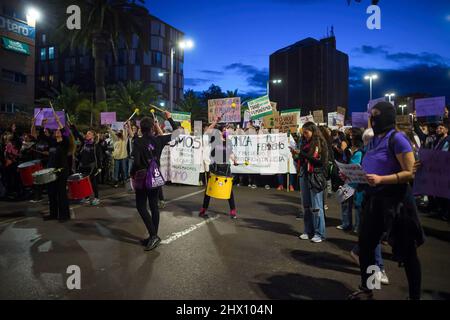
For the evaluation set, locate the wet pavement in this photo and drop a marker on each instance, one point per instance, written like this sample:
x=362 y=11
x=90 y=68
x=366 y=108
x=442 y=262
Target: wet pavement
x=257 y=256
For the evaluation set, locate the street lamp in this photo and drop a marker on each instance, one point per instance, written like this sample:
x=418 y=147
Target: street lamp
x=32 y=15
x=403 y=106
x=390 y=95
x=275 y=81
x=182 y=45
x=371 y=78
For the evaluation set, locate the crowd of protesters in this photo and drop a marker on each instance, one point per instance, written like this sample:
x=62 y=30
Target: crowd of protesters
x=388 y=153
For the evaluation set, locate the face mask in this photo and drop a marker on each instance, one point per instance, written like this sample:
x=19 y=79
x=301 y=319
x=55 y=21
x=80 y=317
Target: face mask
x=384 y=121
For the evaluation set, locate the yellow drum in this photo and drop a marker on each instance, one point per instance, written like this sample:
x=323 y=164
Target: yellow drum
x=219 y=187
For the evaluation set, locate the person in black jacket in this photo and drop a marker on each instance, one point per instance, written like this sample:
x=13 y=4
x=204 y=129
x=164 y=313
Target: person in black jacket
x=146 y=148
x=90 y=160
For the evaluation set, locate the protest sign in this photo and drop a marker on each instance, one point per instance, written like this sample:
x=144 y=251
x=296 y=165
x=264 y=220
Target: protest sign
x=335 y=119
x=288 y=122
x=185 y=159
x=360 y=119
x=430 y=107
x=305 y=119
x=344 y=193
x=265 y=154
x=295 y=112
x=107 y=117
x=272 y=121
x=39 y=115
x=353 y=172
x=229 y=109
x=117 y=126
x=433 y=177
x=341 y=110
x=180 y=116
x=260 y=107
x=51 y=122
x=318 y=116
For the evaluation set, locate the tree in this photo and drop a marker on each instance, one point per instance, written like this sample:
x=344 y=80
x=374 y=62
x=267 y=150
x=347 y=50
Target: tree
x=232 y=94
x=213 y=92
x=124 y=98
x=191 y=103
x=103 y=23
x=68 y=99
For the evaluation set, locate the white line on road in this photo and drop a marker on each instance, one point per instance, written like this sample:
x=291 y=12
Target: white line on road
x=176 y=235
x=185 y=196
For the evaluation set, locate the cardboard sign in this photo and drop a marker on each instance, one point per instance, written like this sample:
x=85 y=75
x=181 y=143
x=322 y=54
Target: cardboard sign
x=430 y=107
x=272 y=121
x=288 y=122
x=295 y=112
x=306 y=119
x=433 y=177
x=229 y=109
x=341 y=110
x=318 y=116
x=353 y=172
x=360 y=119
x=107 y=117
x=259 y=108
x=180 y=116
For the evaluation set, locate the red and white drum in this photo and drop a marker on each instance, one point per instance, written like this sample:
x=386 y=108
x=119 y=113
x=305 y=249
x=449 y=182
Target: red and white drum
x=80 y=186
x=26 y=171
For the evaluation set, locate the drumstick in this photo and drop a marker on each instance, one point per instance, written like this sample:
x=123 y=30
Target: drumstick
x=155 y=107
x=136 y=111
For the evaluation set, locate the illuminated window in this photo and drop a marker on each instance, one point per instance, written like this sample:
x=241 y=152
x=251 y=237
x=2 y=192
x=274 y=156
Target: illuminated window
x=43 y=54
x=51 y=53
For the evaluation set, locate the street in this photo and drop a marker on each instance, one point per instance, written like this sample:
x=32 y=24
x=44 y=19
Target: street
x=257 y=256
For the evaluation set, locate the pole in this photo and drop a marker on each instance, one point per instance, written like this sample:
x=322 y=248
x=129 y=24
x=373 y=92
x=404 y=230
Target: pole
x=370 y=81
x=172 y=53
x=268 y=88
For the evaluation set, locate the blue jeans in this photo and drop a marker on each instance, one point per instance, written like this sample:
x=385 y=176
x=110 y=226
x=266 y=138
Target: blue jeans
x=280 y=179
x=378 y=256
x=120 y=166
x=347 y=213
x=314 y=216
x=357 y=218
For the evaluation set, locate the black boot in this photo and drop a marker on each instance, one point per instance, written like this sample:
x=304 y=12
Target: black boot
x=153 y=243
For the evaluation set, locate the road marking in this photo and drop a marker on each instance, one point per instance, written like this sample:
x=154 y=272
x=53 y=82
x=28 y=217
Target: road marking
x=185 y=196
x=176 y=235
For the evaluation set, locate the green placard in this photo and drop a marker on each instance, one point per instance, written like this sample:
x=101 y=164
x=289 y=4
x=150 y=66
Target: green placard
x=180 y=116
x=15 y=46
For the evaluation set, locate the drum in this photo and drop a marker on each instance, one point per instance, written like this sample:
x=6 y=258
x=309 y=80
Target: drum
x=44 y=176
x=26 y=171
x=80 y=186
x=219 y=187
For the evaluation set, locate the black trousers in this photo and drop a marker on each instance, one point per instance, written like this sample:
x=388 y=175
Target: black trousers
x=231 y=203
x=160 y=194
x=372 y=226
x=151 y=219
x=57 y=196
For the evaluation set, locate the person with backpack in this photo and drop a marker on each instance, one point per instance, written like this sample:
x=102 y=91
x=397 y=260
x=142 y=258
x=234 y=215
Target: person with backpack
x=147 y=177
x=388 y=205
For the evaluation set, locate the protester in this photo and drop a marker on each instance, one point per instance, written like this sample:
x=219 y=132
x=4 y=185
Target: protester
x=221 y=154
x=120 y=155
x=389 y=162
x=145 y=149
x=314 y=159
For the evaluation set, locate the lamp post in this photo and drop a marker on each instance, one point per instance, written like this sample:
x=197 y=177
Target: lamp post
x=32 y=16
x=390 y=95
x=371 y=78
x=183 y=45
x=275 y=81
x=403 y=106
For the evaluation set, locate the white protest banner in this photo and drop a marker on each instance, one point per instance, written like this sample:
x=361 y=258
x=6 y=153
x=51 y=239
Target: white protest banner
x=229 y=109
x=341 y=110
x=353 y=172
x=164 y=166
x=117 y=126
x=335 y=119
x=260 y=107
x=185 y=160
x=180 y=116
x=306 y=119
x=264 y=154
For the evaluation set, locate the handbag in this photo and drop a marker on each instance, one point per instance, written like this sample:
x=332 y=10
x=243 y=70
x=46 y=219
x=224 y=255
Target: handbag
x=317 y=180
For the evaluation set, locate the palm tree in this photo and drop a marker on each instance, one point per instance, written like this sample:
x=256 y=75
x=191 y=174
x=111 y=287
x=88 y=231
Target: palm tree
x=103 y=23
x=124 y=98
x=232 y=94
x=68 y=99
x=191 y=103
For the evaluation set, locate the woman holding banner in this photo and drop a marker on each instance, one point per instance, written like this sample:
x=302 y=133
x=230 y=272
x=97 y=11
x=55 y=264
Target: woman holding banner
x=388 y=204
x=313 y=162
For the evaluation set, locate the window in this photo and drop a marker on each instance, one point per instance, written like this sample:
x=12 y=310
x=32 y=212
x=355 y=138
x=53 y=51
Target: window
x=156 y=28
x=7 y=107
x=20 y=78
x=137 y=73
x=68 y=76
x=43 y=54
x=157 y=59
x=7 y=75
x=51 y=79
x=12 y=76
x=135 y=41
x=51 y=53
x=147 y=60
x=43 y=78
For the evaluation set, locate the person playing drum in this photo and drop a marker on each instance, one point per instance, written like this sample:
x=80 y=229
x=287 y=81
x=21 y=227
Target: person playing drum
x=89 y=161
x=220 y=155
x=57 y=194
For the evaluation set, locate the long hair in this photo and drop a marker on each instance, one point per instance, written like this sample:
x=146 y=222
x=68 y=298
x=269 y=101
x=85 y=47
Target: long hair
x=317 y=140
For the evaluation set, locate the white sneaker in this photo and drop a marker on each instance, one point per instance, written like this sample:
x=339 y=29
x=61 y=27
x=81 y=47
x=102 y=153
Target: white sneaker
x=384 y=278
x=304 y=236
x=267 y=187
x=254 y=186
x=340 y=227
x=316 y=239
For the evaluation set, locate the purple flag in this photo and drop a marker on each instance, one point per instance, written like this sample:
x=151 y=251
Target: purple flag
x=433 y=177
x=107 y=117
x=360 y=119
x=430 y=107
x=40 y=115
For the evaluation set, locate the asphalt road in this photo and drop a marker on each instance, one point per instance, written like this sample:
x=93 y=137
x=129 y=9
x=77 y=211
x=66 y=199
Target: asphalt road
x=257 y=256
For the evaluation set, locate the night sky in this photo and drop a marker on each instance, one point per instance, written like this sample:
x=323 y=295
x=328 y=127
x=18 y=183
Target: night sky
x=234 y=38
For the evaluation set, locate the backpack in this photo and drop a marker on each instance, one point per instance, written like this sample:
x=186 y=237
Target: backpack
x=150 y=178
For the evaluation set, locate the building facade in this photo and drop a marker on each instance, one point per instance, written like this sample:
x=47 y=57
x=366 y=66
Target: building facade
x=76 y=67
x=314 y=74
x=17 y=58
